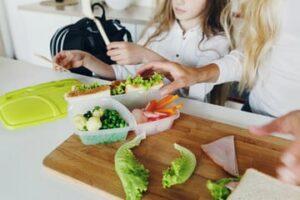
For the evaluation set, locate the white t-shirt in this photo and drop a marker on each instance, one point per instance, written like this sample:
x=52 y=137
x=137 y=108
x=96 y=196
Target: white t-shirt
x=182 y=48
x=277 y=89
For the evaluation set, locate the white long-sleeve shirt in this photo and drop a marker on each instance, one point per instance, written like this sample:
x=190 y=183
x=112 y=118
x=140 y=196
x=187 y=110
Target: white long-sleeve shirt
x=277 y=89
x=182 y=48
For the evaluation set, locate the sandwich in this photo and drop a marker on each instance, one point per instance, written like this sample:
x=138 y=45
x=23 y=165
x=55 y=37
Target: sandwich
x=255 y=185
x=139 y=83
x=80 y=92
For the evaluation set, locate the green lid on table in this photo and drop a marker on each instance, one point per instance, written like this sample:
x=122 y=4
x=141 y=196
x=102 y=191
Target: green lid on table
x=36 y=104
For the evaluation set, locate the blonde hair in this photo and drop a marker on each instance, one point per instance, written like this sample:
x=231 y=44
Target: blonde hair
x=256 y=36
x=164 y=18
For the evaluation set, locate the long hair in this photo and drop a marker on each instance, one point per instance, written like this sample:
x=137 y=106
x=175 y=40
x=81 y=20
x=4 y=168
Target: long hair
x=164 y=18
x=254 y=31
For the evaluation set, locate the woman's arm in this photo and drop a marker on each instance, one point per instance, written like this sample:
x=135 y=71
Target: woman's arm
x=180 y=75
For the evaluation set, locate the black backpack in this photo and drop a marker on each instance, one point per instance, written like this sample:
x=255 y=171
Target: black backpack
x=84 y=35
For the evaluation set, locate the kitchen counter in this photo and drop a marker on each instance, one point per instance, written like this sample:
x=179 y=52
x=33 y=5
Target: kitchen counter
x=133 y=14
x=22 y=152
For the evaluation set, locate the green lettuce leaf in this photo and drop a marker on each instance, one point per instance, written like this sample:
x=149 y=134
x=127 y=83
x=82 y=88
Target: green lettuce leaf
x=181 y=168
x=133 y=175
x=218 y=189
x=155 y=79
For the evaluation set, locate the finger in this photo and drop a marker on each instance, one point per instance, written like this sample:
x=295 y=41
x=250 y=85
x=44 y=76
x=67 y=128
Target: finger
x=275 y=126
x=292 y=155
x=154 y=66
x=114 y=52
x=117 y=58
x=116 y=45
x=172 y=87
x=286 y=175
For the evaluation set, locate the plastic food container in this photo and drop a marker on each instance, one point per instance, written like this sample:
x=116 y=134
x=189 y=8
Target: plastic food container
x=138 y=99
x=151 y=128
x=107 y=135
x=131 y=100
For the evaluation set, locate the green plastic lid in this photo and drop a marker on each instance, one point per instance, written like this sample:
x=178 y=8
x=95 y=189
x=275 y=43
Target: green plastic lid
x=36 y=104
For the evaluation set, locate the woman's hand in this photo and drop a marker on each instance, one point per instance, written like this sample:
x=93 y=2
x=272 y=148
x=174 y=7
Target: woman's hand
x=70 y=59
x=290 y=123
x=126 y=53
x=180 y=75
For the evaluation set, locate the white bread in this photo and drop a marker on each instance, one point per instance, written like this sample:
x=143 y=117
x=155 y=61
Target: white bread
x=132 y=88
x=255 y=185
x=104 y=92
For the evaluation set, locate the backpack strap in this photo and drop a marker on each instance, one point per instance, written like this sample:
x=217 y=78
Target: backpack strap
x=127 y=33
x=95 y=5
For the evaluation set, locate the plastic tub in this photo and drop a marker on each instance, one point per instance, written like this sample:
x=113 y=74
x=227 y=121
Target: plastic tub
x=107 y=135
x=151 y=128
x=131 y=100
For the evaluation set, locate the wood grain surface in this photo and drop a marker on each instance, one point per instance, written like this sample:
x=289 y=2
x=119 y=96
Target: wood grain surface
x=94 y=165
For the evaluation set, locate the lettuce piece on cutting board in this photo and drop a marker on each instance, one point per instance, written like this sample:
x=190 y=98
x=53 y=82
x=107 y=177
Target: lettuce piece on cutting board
x=133 y=175
x=181 y=168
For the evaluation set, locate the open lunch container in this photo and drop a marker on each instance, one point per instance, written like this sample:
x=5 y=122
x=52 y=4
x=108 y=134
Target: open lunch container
x=154 y=127
x=131 y=100
x=106 y=135
x=116 y=134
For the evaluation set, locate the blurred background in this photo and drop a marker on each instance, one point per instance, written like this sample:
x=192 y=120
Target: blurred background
x=27 y=26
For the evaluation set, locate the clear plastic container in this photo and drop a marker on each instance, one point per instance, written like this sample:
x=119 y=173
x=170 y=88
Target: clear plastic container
x=151 y=128
x=138 y=99
x=131 y=100
x=107 y=135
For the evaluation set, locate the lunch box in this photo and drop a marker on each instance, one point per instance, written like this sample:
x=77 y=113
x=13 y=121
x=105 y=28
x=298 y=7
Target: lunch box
x=131 y=100
x=107 y=135
x=151 y=128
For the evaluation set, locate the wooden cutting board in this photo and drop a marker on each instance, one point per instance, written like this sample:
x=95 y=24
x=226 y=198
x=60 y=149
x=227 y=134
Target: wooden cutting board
x=94 y=165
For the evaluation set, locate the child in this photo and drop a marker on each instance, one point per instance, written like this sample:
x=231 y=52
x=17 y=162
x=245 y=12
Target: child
x=183 y=31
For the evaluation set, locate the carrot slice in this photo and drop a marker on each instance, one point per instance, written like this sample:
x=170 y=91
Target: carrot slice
x=151 y=106
x=168 y=111
x=166 y=101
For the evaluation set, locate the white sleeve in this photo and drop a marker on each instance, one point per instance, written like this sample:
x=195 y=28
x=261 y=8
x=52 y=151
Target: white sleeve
x=230 y=66
x=123 y=71
x=147 y=34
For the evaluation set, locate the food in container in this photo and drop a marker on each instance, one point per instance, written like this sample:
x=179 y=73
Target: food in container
x=133 y=93
x=158 y=116
x=101 y=120
x=83 y=91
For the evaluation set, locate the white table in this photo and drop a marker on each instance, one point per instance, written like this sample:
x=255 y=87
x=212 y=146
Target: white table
x=22 y=175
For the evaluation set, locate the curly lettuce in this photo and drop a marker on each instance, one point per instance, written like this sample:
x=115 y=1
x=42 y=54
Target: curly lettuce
x=146 y=83
x=133 y=175
x=181 y=168
x=218 y=189
x=84 y=87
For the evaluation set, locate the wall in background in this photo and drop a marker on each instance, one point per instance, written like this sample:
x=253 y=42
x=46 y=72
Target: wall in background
x=6 y=44
x=149 y=3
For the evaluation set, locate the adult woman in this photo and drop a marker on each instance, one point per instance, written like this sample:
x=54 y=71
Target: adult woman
x=265 y=60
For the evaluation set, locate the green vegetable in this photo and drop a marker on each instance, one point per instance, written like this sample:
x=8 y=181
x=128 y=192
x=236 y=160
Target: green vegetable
x=98 y=112
x=99 y=118
x=145 y=83
x=133 y=175
x=181 y=168
x=80 y=122
x=218 y=189
x=112 y=119
x=84 y=87
x=118 y=89
x=93 y=124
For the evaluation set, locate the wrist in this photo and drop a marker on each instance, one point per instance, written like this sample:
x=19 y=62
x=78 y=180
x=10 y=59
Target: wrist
x=208 y=74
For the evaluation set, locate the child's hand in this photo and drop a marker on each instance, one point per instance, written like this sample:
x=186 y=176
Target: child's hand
x=69 y=59
x=126 y=53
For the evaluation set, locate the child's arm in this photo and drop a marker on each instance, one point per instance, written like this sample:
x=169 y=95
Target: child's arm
x=126 y=53
x=75 y=59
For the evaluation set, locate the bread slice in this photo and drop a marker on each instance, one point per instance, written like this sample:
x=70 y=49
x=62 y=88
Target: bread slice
x=255 y=185
x=101 y=91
